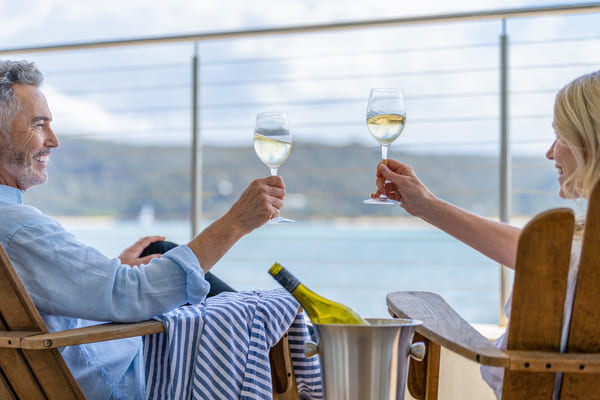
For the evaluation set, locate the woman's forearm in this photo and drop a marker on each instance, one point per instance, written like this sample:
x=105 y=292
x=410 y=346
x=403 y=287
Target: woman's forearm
x=493 y=239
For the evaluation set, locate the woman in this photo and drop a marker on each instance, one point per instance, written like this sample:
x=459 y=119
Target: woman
x=576 y=156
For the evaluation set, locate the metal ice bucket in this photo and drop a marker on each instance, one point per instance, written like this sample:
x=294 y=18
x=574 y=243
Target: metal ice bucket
x=365 y=362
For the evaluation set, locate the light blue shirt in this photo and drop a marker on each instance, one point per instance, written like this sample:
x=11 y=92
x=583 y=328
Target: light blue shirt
x=74 y=285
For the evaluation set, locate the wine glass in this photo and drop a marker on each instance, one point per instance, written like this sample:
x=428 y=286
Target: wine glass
x=386 y=118
x=272 y=144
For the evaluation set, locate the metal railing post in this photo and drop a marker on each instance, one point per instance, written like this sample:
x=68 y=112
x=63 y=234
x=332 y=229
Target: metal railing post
x=505 y=163
x=196 y=156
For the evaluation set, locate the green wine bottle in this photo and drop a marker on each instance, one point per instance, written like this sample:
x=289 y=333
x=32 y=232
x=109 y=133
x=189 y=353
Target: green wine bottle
x=319 y=309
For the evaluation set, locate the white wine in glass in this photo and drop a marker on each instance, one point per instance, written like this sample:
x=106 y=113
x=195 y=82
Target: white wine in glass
x=272 y=144
x=386 y=118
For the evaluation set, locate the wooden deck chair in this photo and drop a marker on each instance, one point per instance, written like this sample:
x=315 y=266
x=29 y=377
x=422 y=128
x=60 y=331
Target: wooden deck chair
x=31 y=367
x=532 y=357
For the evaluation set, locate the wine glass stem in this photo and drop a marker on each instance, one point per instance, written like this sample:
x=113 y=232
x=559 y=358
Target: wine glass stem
x=274 y=171
x=384 y=151
x=384 y=156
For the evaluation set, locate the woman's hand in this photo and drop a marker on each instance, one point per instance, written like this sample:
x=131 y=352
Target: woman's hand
x=399 y=182
x=492 y=238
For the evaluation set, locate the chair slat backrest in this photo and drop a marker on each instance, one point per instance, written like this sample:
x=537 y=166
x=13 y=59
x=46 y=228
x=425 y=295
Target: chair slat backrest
x=540 y=284
x=28 y=374
x=584 y=334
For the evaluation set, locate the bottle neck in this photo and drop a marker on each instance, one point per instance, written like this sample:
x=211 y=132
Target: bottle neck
x=287 y=280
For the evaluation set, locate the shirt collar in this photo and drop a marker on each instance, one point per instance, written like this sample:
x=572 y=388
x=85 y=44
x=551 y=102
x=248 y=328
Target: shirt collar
x=10 y=194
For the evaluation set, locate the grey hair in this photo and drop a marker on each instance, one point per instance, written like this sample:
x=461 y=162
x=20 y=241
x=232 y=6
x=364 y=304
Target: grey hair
x=11 y=73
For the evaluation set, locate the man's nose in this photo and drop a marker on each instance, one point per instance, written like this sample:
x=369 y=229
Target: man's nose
x=52 y=139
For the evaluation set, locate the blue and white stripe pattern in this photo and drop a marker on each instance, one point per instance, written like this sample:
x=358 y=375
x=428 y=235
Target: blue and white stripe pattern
x=307 y=370
x=219 y=349
x=170 y=356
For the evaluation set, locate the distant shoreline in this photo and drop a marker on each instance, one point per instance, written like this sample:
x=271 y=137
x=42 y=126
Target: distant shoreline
x=363 y=222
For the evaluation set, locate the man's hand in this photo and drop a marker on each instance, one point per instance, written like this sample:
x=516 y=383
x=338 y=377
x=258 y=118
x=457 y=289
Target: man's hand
x=131 y=255
x=260 y=202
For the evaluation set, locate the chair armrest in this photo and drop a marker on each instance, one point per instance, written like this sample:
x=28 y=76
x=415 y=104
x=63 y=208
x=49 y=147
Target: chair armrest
x=12 y=339
x=540 y=361
x=89 y=334
x=442 y=325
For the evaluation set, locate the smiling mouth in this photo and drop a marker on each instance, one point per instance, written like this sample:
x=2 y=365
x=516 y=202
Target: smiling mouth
x=44 y=157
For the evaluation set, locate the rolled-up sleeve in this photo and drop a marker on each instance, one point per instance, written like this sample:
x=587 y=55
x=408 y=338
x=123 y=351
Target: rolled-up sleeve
x=196 y=286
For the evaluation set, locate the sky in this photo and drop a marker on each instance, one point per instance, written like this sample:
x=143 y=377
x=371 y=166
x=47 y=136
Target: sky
x=325 y=98
x=38 y=22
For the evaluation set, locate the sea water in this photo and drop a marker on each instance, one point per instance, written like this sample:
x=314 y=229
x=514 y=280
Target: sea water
x=355 y=264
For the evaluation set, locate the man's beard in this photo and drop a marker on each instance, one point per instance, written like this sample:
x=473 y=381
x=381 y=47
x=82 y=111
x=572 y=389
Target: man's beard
x=22 y=171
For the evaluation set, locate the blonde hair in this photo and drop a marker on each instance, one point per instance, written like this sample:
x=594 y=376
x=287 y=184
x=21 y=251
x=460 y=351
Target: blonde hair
x=577 y=123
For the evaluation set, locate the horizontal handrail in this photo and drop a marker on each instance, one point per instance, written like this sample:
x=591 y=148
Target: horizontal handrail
x=375 y=23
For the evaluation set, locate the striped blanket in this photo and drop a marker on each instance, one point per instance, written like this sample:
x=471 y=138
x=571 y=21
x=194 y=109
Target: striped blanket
x=219 y=349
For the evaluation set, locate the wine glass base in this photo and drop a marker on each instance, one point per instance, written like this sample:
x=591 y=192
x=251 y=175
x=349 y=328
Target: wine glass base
x=279 y=220
x=380 y=200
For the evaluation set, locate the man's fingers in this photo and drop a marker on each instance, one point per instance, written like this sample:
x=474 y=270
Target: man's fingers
x=275 y=181
x=144 y=242
x=150 y=239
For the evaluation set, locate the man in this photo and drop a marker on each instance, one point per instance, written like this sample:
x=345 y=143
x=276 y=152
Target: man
x=74 y=285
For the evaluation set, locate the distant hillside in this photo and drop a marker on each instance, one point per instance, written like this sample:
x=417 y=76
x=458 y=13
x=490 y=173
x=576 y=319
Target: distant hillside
x=103 y=178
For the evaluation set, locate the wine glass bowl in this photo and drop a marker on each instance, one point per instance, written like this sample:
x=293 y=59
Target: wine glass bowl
x=272 y=144
x=386 y=118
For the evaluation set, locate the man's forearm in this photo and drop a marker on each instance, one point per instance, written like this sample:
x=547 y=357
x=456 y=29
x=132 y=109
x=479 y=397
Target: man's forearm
x=212 y=243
